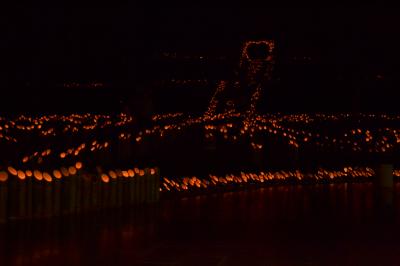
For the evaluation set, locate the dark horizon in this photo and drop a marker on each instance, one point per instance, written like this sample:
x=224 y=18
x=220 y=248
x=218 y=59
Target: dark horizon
x=350 y=49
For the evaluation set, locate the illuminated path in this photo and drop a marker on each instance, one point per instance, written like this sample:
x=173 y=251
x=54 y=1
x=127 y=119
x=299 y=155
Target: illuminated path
x=243 y=92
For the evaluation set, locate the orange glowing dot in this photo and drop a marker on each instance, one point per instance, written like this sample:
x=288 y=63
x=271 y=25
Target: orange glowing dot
x=152 y=171
x=47 y=177
x=105 y=178
x=131 y=173
x=3 y=176
x=125 y=174
x=38 y=175
x=28 y=173
x=78 y=165
x=136 y=170
x=62 y=155
x=141 y=172
x=71 y=170
x=112 y=174
x=57 y=174
x=12 y=170
x=21 y=175
x=64 y=171
x=26 y=158
x=119 y=172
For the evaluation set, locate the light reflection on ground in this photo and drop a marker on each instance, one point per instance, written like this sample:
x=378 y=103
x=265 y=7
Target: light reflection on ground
x=331 y=224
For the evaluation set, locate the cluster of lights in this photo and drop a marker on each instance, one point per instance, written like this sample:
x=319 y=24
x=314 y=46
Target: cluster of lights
x=91 y=85
x=106 y=176
x=214 y=181
x=212 y=106
x=179 y=82
x=72 y=151
x=62 y=172
x=40 y=175
x=55 y=125
x=254 y=67
x=163 y=117
x=72 y=190
x=86 y=129
x=4 y=128
x=37 y=155
x=296 y=130
x=268 y=43
x=124 y=136
x=123 y=120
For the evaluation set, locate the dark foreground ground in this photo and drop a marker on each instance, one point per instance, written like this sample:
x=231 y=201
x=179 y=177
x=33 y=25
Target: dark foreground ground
x=340 y=224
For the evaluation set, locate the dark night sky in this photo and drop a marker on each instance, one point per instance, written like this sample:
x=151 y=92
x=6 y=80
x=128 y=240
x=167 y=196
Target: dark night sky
x=49 y=45
x=93 y=41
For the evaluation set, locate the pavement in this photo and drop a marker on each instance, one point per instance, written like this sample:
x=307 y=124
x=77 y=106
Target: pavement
x=337 y=224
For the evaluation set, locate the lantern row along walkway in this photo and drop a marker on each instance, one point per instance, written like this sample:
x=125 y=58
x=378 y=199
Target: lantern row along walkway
x=36 y=195
x=32 y=197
